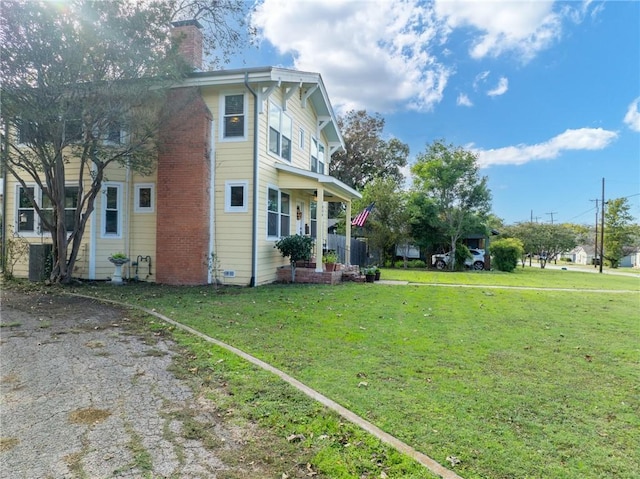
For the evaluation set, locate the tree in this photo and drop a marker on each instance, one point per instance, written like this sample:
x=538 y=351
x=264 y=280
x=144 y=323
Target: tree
x=545 y=240
x=449 y=176
x=73 y=80
x=617 y=231
x=388 y=224
x=367 y=155
x=297 y=248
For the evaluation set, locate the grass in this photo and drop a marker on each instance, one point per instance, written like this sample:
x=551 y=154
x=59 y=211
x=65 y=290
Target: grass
x=514 y=383
x=528 y=277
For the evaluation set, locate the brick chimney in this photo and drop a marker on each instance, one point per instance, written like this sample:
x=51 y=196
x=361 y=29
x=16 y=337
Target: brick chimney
x=189 y=34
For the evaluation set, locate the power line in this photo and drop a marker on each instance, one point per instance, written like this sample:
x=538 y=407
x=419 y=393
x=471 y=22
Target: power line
x=552 y=213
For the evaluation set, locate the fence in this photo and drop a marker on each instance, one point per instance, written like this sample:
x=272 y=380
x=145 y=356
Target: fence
x=338 y=244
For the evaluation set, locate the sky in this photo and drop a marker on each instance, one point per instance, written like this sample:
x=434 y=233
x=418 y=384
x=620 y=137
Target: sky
x=547 y=94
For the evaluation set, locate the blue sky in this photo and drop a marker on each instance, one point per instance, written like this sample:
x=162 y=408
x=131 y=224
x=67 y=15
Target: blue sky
x=546 y=93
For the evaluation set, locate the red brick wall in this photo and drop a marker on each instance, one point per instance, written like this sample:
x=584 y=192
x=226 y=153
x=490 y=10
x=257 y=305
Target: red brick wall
x=189 y=36
x=182 y=233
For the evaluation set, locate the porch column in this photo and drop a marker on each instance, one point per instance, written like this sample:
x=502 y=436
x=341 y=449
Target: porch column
x=321 y=233
x=347 y=246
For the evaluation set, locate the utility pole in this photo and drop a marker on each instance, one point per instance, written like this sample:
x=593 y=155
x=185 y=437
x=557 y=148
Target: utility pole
x=552 y=213
x=602 y=230
x=595 y=254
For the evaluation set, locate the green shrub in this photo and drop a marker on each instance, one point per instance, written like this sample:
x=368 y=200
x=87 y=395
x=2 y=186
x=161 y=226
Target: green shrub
x=417 y=263
x=462 y=254
x=506 y=253
x=297 y=248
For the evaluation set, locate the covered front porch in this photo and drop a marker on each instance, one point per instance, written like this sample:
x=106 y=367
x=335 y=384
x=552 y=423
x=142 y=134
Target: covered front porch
x=320 y=189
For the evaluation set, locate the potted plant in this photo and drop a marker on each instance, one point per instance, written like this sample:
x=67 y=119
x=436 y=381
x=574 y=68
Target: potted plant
x=330 y=259
x=369 y=273
x=377 y=273
x=118 y=259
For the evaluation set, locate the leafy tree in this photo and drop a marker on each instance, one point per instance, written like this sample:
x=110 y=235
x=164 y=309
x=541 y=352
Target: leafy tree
x=297 y=248
x=72 y=80
x=368 y=155
x=388 y=224
x=426 y=229
x=545 y=240
x=505 y=253
x=449 y=176
x=617 y=231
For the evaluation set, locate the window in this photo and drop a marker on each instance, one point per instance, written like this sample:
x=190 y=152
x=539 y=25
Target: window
x=280 y=132
x=233 y=116
x=112 y=210
x=28 y=220
x=27 y=131
x=278 y=214
x=70 y=206
x=236 y=197
x=144 y=200
x=314 y=219
x=301 y=139
x=317 y=156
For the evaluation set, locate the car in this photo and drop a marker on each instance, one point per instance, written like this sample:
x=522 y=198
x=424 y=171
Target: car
x=440 y=261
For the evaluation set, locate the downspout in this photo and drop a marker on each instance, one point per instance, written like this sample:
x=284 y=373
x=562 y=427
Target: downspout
x=212 y=205
x=3 y=232
x=254 y=233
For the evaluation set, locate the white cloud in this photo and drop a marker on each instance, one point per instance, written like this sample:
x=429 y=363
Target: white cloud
x=383 y=55
x=524 y=28
x=579 y=139
x=371 y=54
x=632 y=118
x=463 y=100
x=501 y=88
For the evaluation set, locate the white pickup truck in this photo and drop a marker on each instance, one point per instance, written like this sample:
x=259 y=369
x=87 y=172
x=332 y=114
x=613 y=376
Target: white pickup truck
x=476 y=262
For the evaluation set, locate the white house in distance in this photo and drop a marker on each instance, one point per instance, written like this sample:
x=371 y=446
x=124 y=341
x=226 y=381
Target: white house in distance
x=243 y=163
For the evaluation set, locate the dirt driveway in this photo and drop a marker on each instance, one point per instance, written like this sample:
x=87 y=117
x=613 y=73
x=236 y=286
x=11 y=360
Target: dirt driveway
x=83 y=396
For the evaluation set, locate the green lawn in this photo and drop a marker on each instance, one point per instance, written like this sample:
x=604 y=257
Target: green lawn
x=514 y=383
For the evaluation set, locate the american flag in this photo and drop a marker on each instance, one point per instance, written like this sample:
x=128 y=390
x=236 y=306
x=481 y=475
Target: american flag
x=362 y=216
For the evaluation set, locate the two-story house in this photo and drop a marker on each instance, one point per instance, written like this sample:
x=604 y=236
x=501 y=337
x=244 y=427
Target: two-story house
x=243 y=163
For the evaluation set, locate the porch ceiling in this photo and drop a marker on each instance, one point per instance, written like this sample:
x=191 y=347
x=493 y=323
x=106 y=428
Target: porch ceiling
x=290 y=177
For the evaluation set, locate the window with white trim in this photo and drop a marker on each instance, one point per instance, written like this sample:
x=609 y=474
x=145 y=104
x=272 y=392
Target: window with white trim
x=280 y=132
x=70 y=206
x=317 y=156
x=233 y=112
x=278 y=213
x=314 y=219
x=29 y=222
x=144 y=198
x=112 y=210
x=236 y=197
x=26 y=214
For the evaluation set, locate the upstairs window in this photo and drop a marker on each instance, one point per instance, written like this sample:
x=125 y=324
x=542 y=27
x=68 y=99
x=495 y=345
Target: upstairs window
x=233 y=118
x=280 y=132
x=317 y=156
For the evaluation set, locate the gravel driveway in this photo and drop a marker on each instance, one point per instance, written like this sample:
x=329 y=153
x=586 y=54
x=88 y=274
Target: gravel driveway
x=83 y=397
